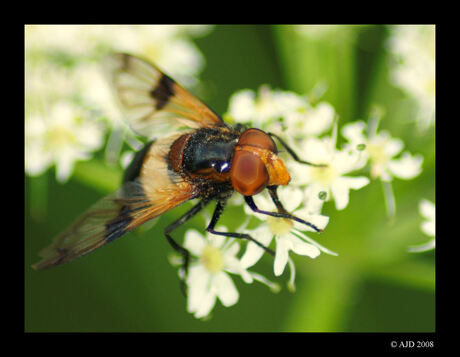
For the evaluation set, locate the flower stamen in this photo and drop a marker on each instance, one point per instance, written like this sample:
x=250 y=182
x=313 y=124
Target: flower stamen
x=212 y=260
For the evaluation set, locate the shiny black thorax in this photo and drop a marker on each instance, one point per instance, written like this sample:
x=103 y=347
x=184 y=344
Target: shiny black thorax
x=209 y=148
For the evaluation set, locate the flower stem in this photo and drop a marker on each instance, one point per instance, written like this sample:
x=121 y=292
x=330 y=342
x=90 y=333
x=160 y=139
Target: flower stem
x=390 y=203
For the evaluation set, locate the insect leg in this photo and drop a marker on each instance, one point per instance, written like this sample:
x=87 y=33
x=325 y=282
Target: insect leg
x=293 y=154
x=275 y=199
x=181 y=250
x=250 y=201
x=215 y=217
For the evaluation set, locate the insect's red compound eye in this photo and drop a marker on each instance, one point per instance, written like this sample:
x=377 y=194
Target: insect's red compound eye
x=257 y=138
x=248 y=173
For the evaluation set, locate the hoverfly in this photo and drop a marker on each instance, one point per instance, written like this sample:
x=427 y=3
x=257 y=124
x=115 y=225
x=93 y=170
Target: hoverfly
x=195 y=155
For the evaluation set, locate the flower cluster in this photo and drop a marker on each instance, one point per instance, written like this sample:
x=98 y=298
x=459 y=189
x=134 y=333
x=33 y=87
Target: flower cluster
x=413 y=70
x=208 y=278
x=310 y=128
x=60 y=138
x=383 y=153
x=428 y=210
x=66 y=91
x=302 y=124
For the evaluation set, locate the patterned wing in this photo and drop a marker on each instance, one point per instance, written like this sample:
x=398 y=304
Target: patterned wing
x=153 y=103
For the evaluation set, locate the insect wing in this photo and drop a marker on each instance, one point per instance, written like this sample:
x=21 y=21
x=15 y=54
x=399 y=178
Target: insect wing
x=153 y=103
x=105 y=221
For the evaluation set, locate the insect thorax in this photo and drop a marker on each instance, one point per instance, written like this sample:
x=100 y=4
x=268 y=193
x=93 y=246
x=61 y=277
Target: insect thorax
x=208 y=151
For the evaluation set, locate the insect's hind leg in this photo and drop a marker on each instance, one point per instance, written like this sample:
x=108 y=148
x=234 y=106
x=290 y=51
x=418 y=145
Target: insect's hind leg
x=177 y=247
x=215 y=217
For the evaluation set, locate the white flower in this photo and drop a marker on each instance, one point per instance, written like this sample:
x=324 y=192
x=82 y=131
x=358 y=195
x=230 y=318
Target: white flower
x=280 y=112
x=246 y=107
x=413 y=51
x=208 y=277
x=428 y=210
x=287 y=233
x=381 y=150
x=61 y=138
x=303 y=120
x=168 y=45
x=329 y=179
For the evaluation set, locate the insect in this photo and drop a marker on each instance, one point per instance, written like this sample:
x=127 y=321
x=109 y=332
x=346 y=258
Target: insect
x=195 y=155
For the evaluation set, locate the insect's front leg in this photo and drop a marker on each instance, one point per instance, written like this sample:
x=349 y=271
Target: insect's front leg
x=275 y=199
x=180 y=249
x=282 y=213
x=293 y=154
x=215 y=217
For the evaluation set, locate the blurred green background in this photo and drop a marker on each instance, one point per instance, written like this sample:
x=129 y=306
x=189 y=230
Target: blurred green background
x=374 y=285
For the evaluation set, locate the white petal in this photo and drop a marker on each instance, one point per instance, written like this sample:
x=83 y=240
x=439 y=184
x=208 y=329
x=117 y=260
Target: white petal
x=290 y=196
x=429 y=228
x=206 y=304
x=312 y=242
x=318 y=220
x=90 y=136
x=341 y=189
x=349 y=160
x=37 y=160
x=393 y=146
x=301 y=248
x=245 y=275
x=407 y=167
x=423 y=247
x=225 y=289
x=263 y=201
x=198 y=285
x=230 y=250
x=354 y=132
x=300 y=173
x=62 y=114
x=427 y=209
x=235 y=266
x=253 y=252
x=316 y=120
x=64 y=167
x=34 y=127
x=194 y=242
x=281 y=255
x=316 y=151
x=242 y=105
x=356 y=182
x=314 y=204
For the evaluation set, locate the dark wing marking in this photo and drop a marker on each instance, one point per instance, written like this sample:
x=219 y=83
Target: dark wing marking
x=154 y=104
